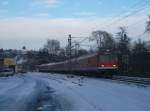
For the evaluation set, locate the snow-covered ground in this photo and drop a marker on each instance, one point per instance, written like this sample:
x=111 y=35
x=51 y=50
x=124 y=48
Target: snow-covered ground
x=20 y=93
x=89 y=94
x=17 y=93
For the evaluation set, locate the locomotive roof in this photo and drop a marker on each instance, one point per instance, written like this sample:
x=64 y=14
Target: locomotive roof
x=85 y=56
x=74 y=59
x=54 y=63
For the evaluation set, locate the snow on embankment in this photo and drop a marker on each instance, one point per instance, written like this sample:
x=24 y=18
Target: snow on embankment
x=19 y=93
x=91 y=94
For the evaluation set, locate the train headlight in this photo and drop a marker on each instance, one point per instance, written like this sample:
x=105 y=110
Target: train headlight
x=102 y=65
x=114 y=65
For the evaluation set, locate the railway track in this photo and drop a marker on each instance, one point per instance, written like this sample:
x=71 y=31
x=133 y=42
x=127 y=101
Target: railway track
x=136 y=80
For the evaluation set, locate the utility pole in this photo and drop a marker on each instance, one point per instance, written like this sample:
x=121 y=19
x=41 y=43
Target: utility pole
x=70 y=46
x=70 y=53
x=76 y=49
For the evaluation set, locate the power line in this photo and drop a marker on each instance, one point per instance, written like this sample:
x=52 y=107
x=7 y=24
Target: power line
x=83 y=40
x=134 y=6
x=123 y=17
x=137 y=22
x=129 y=14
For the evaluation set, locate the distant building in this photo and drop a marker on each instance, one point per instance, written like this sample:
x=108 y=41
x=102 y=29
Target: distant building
x=9 y=61
x=13 y=59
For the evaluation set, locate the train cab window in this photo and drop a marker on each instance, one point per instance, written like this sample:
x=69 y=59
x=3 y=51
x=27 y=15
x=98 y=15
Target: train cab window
x=108 y=57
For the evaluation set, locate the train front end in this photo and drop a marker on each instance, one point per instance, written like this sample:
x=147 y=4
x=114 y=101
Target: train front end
x=108 y=64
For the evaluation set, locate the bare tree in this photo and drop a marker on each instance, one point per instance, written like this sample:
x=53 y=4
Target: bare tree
x=103 y=39
x=147 y=29
x=24 y=47
x=123 y=49
x=52 y=46
x=123 y=41
x=139 y=47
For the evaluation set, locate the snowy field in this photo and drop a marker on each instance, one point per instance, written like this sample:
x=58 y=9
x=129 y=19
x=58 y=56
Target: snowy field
x=21 y=93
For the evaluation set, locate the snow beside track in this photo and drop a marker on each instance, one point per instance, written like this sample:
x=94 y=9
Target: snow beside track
x=91 y=94
x=20 y=93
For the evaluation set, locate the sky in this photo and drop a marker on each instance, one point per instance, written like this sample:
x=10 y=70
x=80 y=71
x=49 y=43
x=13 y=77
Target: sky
x=32 y=22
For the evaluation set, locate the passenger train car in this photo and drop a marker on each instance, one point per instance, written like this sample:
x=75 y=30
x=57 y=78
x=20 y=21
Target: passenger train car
x=99 y=65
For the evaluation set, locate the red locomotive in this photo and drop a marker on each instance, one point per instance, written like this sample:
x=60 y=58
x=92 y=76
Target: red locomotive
x=100 y=65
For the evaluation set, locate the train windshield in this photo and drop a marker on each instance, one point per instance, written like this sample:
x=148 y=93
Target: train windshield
x=108 y=57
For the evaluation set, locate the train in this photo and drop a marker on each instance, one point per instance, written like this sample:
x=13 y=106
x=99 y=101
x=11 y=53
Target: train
x=96 y=64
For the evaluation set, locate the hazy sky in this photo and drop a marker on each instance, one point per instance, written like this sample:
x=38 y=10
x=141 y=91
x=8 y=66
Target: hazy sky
x=32 y=22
